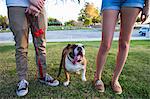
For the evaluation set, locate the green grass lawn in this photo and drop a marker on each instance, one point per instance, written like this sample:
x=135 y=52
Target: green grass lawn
x=135 y=77
x=56 y=28
x=4 y=31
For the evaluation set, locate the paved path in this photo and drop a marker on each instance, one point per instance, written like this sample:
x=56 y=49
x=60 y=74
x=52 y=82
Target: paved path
x=71 y=35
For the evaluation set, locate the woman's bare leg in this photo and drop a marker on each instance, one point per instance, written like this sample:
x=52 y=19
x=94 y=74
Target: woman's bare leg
x=108 y=28
x=128 y=18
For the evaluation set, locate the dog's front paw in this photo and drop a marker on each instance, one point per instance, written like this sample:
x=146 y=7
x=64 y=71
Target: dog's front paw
x=84 y=79
x=78 y=72
x=66 y=83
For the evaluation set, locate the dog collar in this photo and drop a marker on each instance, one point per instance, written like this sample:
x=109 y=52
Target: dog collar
x=71 y=55
x=70 y=58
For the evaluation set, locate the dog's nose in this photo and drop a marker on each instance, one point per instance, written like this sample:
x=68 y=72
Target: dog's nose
x=79 y=48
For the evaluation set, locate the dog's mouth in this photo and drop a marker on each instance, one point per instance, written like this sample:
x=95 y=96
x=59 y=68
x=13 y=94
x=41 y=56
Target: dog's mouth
x=78 y=57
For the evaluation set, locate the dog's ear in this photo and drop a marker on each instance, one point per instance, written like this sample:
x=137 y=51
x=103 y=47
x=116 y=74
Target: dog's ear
x=74 y=46
x=83 y=46
x=68 y=46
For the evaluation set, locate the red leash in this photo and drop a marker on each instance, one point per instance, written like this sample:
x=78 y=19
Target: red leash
x=37 y=34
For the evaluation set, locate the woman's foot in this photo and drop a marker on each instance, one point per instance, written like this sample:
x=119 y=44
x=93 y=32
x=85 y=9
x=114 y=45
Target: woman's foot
x=99 y=85
x=116 y=87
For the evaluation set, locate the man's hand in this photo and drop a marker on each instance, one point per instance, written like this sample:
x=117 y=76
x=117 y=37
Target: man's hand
x=145 y=11
x=32 y=10
x=144 y=14
x=38 y=3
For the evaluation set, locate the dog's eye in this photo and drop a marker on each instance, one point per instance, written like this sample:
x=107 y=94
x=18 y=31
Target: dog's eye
x=83 y=46
x=79 y=48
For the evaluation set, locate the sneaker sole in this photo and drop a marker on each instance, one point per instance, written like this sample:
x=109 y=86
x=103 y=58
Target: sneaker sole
x=20 y=95
x=49 y=83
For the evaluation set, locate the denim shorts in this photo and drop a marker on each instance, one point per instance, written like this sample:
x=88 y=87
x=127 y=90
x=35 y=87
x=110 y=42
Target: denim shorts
x=117 y=4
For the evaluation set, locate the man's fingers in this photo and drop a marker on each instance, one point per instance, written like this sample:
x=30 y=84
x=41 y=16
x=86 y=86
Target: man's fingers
x=36 y=14
x=145 y=13
x=30 y=12
x=40 y=5
x=41 y=2
x=35 y=11
x=144 y=17
x=26 y=10
x=33 y=8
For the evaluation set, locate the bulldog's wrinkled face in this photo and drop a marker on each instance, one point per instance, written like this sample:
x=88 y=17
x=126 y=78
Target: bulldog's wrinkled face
x=79 y=50
x=76 y=52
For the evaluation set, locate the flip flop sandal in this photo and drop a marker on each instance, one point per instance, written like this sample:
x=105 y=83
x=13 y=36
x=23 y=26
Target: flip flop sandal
x=116 y=87
x=99 y=85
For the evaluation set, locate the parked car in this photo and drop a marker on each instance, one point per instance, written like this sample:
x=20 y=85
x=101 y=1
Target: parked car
x=144 y=30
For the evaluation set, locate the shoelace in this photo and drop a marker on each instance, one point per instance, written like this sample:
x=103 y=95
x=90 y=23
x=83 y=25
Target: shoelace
x=49 y=78
x=22 y=84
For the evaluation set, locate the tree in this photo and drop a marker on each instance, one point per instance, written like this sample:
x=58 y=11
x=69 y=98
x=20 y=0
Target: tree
x=89 y=14
x=87 y=21
x=96 y=20
x=53 y=21
x=82 y=15
x=90 y=10
x=4 y=22
x=70 y=23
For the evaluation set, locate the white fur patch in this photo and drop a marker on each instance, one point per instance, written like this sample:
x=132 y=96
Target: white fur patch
x=72 y=67
x=66 y=83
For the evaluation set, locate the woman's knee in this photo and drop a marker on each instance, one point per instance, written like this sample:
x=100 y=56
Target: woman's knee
x=105 y=47
x=124 y=45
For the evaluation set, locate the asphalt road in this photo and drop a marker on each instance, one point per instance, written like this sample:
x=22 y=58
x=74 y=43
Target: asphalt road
x=71 y=35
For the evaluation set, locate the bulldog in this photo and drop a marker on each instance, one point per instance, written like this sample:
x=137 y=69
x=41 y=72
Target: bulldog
x=73 y=60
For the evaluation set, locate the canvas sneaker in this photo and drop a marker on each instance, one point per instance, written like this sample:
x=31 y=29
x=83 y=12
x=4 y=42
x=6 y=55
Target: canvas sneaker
x=22 y=88
x=48 y=80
